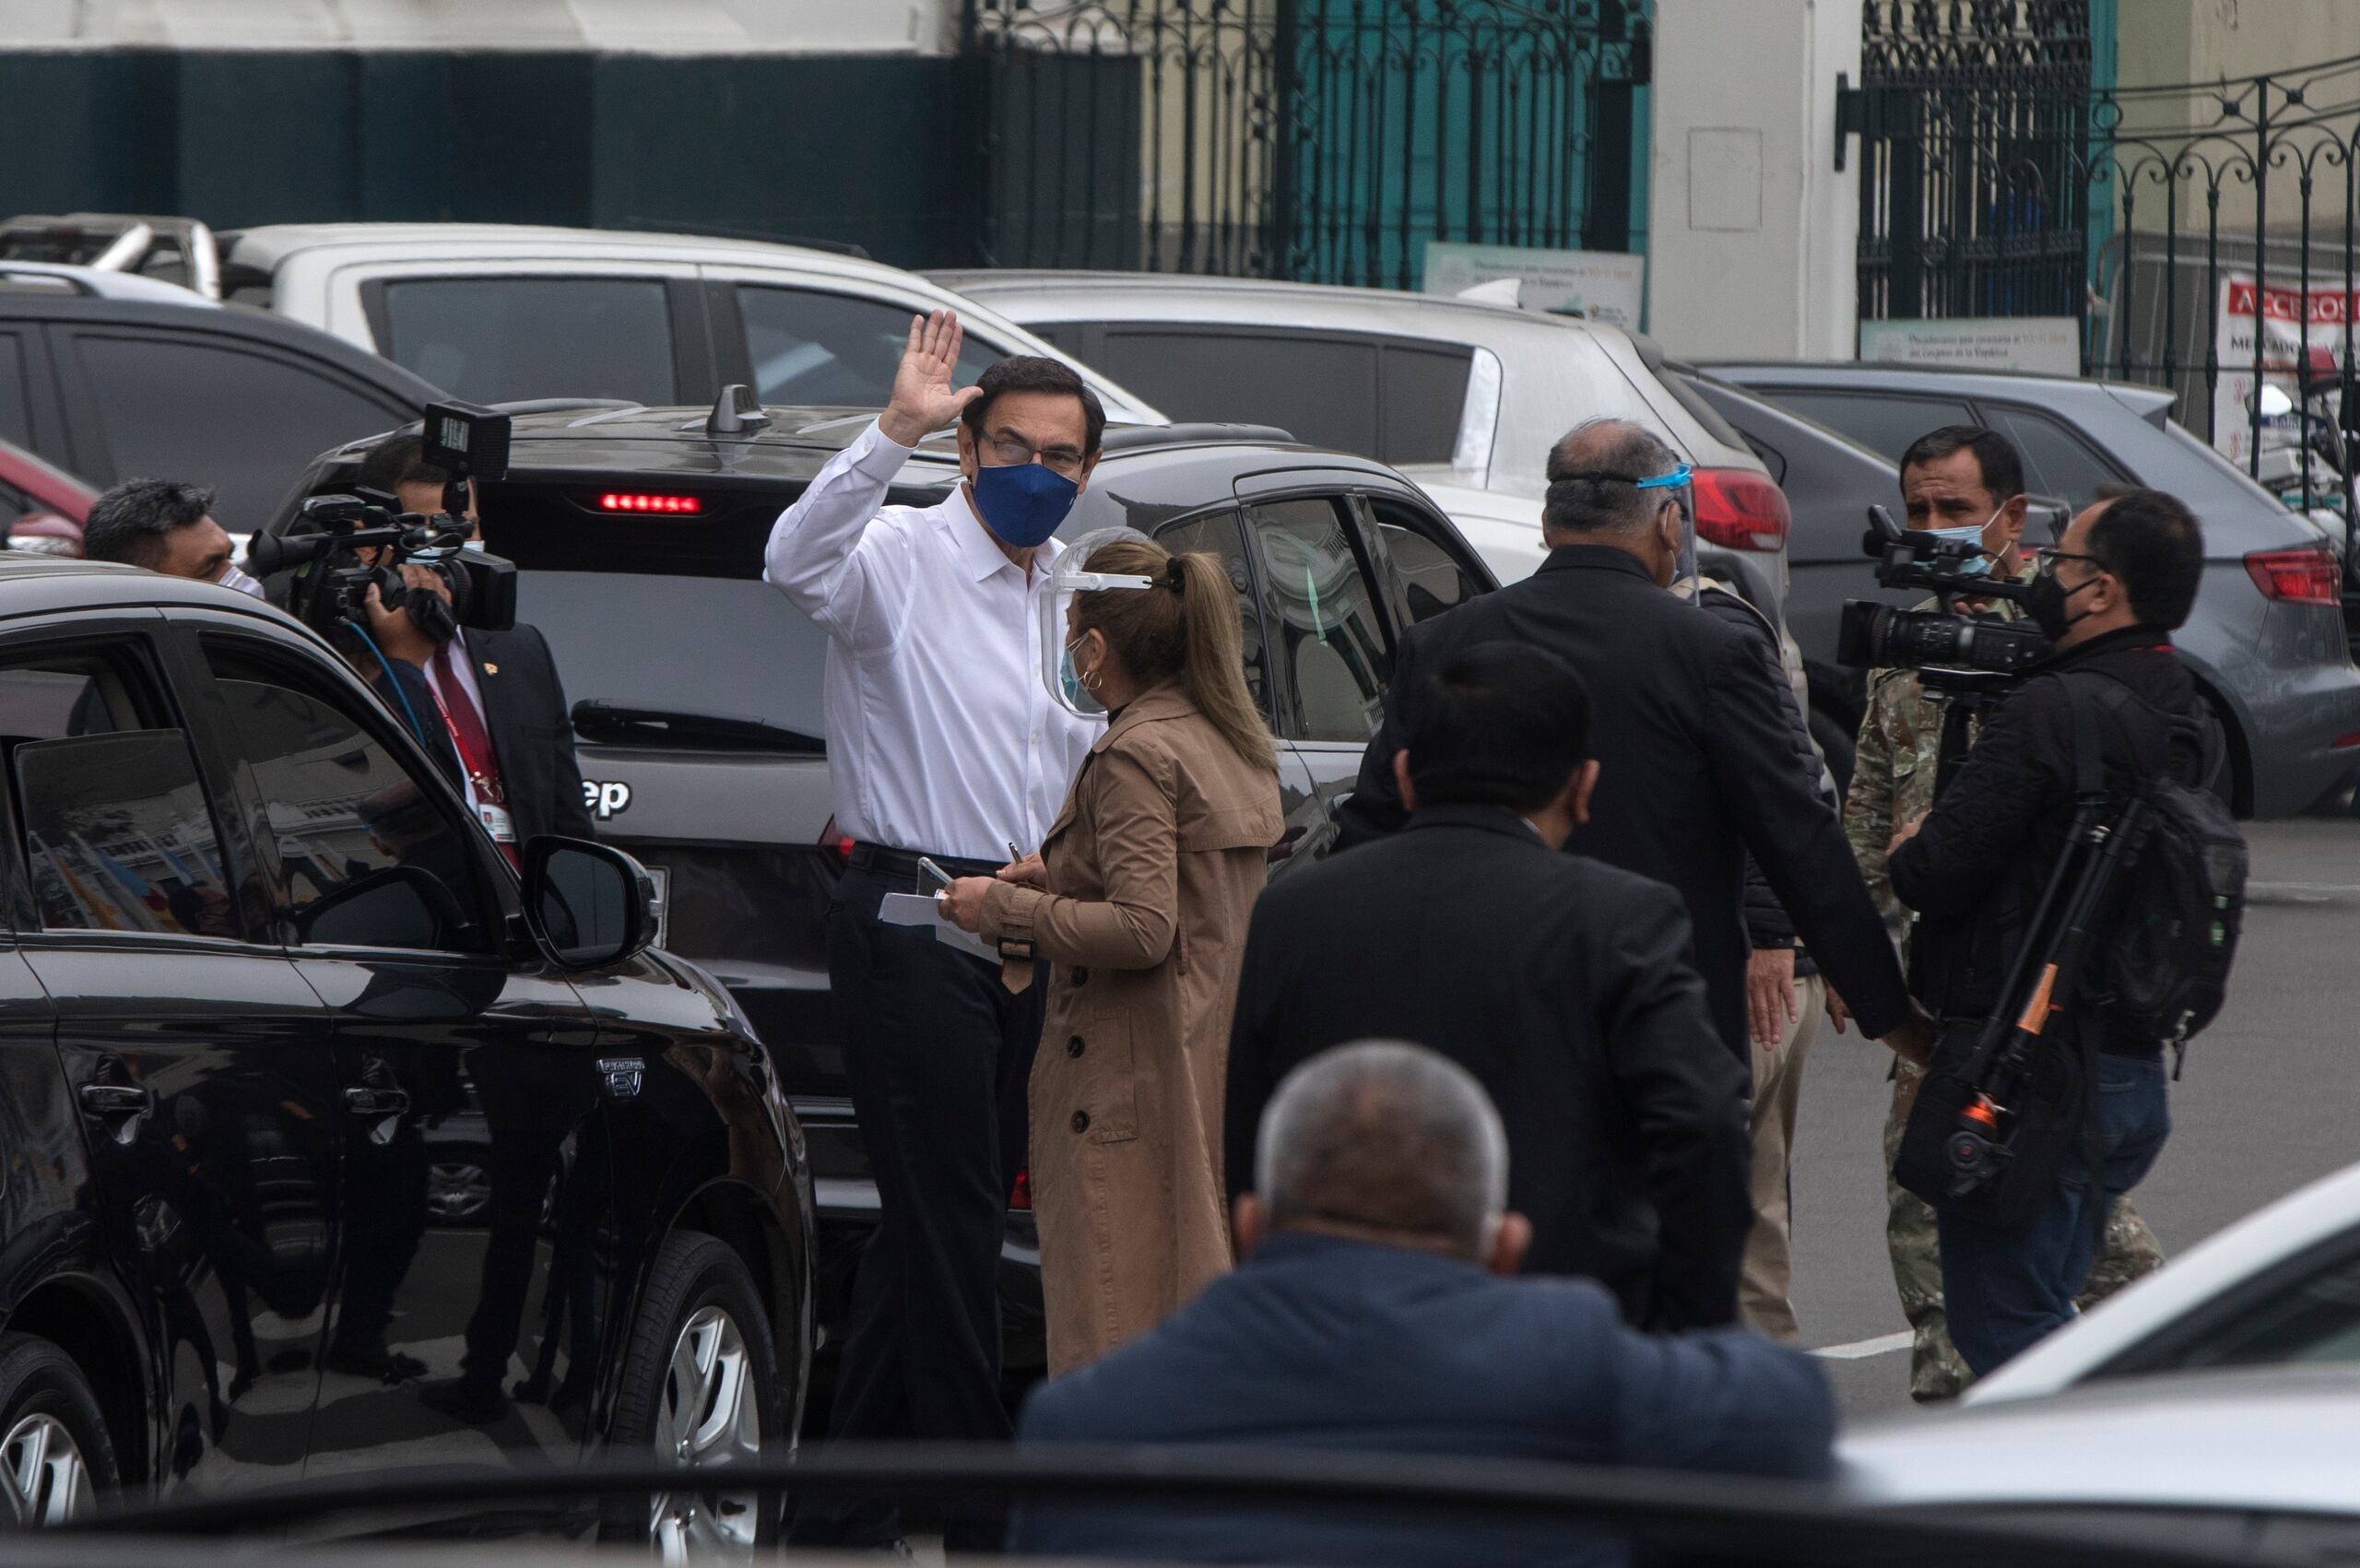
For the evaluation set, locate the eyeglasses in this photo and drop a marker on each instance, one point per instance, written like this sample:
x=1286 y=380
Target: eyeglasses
x=1009 y=451
x=2047 y=555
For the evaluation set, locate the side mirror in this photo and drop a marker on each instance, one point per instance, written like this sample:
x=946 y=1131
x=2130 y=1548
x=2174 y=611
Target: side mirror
x=588 y=905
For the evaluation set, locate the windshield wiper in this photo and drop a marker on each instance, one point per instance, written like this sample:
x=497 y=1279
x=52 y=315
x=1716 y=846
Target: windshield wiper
x=620 y=724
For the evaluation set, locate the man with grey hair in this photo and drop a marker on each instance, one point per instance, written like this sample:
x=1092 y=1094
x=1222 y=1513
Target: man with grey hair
x=1376 y=1308
x=165 y=526
x=1697 y=763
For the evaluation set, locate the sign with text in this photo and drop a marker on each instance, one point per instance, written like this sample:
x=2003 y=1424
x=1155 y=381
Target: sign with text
x=2049 y=345
x=1605 y=286
x=2299 y=331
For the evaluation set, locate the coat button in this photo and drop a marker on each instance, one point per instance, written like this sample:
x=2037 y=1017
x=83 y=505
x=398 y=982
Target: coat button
x=1073 y=1046
x=1082 y=977
x=1081 y=1121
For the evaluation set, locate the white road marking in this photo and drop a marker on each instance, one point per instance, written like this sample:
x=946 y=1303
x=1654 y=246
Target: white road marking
x=1861 y=1349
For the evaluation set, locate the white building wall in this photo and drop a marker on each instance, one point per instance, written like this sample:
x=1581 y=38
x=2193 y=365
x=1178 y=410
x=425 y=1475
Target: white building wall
x=1752 y=234
x=667 y=27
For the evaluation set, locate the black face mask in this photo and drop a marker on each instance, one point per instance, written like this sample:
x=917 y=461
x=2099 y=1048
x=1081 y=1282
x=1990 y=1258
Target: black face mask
x=2046 y=602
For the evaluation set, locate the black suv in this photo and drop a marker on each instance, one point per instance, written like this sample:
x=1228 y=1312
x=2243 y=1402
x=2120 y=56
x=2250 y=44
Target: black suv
x=115 y=378
x=330 y=1142
x=639 y=535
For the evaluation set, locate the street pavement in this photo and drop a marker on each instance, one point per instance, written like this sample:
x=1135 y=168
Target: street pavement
x=2271 y=1100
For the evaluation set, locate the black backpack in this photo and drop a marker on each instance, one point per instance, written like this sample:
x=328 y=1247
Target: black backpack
x=2161 y=966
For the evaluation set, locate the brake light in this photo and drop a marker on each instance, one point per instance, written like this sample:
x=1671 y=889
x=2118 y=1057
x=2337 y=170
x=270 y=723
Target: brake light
x=2295 y=577
x=624 y=500
x=1020 y=1194
x=1741 y=510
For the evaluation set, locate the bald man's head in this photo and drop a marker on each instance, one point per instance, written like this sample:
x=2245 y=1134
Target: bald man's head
x=1594 y=497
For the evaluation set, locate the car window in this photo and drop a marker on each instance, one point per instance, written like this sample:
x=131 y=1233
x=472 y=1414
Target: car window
x=16 y=408
x=810 y=347
x=1320 y=386
x=1433 y=579
x=2057 y=462
x=1422 y=391
x=1881 y=422
x=492 y=339
x=1317 y=603
x=212 y=413
x=367 y=854
x=1220 y=534
x=115 y=827
x=2313 y=1320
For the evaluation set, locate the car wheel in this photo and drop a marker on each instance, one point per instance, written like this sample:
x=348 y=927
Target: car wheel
x=53 y=1442
x=458 y=1191
x=700 y=1390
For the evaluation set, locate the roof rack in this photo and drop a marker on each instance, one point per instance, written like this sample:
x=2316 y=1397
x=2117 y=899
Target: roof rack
x=1196 y=433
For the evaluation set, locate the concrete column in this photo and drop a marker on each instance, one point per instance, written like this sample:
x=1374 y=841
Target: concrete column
x=1752 y=234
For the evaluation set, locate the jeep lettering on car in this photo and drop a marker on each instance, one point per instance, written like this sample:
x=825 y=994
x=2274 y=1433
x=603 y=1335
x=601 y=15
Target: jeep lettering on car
x=605 y=800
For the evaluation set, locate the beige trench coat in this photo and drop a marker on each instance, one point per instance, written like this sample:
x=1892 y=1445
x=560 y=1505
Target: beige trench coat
x=1155 y=864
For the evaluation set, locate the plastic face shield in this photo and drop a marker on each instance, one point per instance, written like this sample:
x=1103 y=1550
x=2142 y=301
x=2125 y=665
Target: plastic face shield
x=1679 y=483
x=1067 y=579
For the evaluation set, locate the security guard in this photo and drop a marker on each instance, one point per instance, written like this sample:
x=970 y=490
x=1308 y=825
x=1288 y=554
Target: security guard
x=1962 y=478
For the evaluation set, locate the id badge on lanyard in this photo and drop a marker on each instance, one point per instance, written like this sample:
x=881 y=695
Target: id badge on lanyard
x=491 y=800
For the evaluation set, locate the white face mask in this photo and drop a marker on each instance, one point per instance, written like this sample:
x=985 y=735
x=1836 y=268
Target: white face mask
x=233 y=578
x=474 y=544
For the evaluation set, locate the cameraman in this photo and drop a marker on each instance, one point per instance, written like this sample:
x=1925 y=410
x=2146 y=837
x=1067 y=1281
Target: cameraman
x=2108 y=597
x=497 y=693
x=1965 y=481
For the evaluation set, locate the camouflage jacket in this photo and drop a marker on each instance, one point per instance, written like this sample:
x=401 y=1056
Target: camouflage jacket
x=1893 y=770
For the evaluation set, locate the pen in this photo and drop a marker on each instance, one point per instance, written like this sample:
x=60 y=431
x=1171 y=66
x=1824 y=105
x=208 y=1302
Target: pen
x=1012 y=856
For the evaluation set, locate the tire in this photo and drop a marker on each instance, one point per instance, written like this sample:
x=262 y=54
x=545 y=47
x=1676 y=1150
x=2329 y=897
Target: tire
x=700 y=1349
x=54 y=1453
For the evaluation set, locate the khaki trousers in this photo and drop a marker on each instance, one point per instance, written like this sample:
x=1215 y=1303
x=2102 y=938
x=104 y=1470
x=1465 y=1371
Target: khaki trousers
x=1777 y=1092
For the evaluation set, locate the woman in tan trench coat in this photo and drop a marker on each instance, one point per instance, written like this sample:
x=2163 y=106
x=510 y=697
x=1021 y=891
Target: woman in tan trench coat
x=1140 y=898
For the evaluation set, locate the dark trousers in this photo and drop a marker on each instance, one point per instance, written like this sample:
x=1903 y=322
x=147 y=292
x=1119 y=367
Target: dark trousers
x=936 y=1052
x=2004 y=1290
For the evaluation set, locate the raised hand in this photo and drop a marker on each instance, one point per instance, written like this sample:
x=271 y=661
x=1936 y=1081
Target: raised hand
x=924 y=400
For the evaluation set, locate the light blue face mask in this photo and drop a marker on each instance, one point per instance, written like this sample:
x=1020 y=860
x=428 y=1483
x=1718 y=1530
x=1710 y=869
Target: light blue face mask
x=1077 y=694
x=1975 y=566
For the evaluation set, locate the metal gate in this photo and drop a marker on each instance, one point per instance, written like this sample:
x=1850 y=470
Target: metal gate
x=1973 y=121
x=1326 y=140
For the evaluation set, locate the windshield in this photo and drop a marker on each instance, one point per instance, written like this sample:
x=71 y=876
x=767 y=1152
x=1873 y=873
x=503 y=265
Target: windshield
x=707 y=645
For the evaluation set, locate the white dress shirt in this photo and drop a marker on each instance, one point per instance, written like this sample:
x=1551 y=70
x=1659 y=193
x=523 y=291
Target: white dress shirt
x=941 y=737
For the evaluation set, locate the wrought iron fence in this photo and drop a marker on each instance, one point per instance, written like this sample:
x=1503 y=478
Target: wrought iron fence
x=2202 y=234
x=1316 y=139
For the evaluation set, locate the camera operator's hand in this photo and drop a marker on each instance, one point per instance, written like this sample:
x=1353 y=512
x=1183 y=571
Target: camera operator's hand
x=396 y=635
x=426 y=577
x=923 y=399
x=1912 y=1039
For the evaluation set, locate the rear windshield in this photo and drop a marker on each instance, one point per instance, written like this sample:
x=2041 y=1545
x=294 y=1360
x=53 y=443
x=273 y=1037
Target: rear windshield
x=662 y=612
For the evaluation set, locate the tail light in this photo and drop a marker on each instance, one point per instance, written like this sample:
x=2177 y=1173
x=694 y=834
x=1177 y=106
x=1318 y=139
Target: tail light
x=836 y=845
x=2295 y=577
x=1020 y=1194
x=628 y=500
x=1741 y=510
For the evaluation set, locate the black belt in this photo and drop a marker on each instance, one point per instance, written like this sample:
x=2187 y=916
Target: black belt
x=888 y=864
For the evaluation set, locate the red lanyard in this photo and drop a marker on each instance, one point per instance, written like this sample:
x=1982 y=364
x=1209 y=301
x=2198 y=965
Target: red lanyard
x=482 y=770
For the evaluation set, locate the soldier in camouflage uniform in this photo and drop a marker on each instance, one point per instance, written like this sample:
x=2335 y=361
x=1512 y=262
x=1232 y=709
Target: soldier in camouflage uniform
x=1893 y=783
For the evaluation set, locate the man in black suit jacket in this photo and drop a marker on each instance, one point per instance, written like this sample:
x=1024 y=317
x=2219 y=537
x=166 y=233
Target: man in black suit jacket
x=1369 y=1313
x=1698 y=764
x=508 y=679
x=1562 y=983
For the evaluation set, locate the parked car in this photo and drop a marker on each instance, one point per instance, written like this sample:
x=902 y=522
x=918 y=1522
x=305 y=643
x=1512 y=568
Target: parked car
x=2267 y=642
x=112 y=376
x=496 y=312
x=2256 y=1463
x=1450 y=392
x=638 y=533
x=261 y=956
x=2279 y=1288
x=45 y=497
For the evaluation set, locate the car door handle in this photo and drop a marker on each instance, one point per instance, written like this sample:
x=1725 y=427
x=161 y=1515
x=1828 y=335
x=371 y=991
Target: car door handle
x=117 y=1100
x=377 y=1102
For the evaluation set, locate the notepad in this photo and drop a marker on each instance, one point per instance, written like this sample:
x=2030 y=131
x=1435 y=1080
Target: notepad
x=924 y=909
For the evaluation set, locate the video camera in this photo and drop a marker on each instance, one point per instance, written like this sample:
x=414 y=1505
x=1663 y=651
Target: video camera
x=1877 y=636
x=321 y=545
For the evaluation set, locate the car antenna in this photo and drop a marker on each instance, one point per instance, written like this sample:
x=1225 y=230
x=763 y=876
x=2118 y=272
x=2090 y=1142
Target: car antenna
x=736 y=412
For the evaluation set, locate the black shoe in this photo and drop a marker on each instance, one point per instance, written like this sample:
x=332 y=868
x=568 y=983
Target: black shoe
x=373 y=1362
x=472 y=1402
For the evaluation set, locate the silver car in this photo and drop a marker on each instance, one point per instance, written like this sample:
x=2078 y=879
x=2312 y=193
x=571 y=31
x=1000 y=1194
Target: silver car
x=1464 y=398
x=2266 y=640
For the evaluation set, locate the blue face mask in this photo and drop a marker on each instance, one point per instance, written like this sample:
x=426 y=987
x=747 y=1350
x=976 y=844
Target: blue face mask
x=1974 y=566
x=1023 y=503
x=1077 y=694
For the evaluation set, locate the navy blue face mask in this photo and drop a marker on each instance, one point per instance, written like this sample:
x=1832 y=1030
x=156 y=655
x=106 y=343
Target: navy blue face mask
x=1023 y=503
